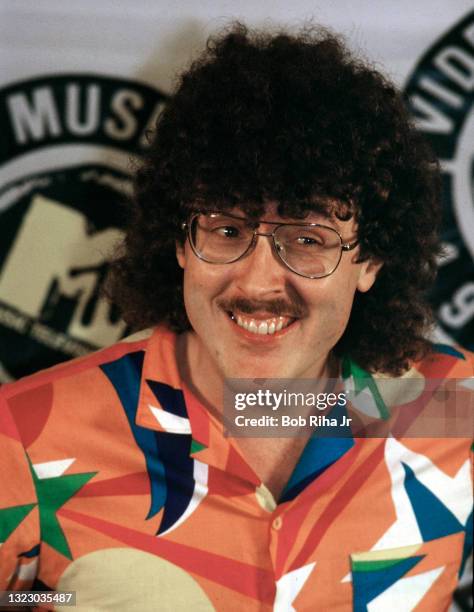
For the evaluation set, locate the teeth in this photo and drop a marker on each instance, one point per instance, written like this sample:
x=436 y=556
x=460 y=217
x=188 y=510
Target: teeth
x=270 y=326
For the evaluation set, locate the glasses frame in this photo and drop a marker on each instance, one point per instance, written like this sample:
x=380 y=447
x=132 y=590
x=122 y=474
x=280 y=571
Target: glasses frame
x=187 y=225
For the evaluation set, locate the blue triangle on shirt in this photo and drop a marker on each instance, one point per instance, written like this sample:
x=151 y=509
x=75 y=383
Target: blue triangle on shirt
x=124 y=375
x=179 y=476
x=171 y=400
x=446 y=349
x=434 y=519
x=367 y=585
x=317 y=456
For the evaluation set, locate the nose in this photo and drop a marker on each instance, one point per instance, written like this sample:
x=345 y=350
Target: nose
x=261 y=273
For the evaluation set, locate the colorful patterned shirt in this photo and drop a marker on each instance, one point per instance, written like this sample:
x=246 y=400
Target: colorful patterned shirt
x=116 y=483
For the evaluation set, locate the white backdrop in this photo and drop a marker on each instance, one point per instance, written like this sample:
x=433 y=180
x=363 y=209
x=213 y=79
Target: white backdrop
x=151 y=39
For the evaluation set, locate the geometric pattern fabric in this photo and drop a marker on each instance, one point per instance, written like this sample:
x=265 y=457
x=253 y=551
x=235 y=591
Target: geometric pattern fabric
x=111 y=468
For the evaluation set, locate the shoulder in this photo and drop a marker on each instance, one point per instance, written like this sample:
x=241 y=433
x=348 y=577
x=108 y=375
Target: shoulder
x=441 y=361
x=50 y=412
x=446 y=361
x=77 y=375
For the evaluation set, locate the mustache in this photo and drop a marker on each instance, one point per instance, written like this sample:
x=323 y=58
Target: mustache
x=293 y=307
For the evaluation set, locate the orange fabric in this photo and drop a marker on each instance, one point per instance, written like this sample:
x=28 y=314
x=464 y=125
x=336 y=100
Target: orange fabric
x=118 y=484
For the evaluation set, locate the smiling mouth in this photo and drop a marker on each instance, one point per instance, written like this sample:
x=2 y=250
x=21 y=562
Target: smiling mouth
x=259 y=326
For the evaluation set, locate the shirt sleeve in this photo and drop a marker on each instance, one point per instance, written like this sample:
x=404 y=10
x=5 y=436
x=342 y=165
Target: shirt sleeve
x=19 y=515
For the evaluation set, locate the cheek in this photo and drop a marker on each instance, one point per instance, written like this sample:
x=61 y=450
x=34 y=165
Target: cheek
x=330 y=304
x=201 y=277
x=201 y=284
x=193 y=293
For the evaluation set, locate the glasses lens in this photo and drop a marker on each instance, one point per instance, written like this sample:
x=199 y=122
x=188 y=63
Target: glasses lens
x=219 y=238
x=312 y=251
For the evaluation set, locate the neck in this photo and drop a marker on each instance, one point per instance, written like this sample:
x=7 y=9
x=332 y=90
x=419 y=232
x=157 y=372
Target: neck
x=195 y=370
x=198 y=371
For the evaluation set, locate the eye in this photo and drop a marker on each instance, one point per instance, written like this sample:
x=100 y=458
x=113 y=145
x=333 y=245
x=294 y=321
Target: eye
x=309 y=241
x=227 y=231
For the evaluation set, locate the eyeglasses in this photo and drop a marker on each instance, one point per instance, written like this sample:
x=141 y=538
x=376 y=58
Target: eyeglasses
x=308 y=249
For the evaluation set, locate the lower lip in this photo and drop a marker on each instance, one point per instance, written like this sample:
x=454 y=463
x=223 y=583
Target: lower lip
x=260 y=338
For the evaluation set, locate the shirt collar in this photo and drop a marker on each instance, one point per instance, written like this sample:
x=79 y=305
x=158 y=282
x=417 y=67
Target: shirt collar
x=166 y=404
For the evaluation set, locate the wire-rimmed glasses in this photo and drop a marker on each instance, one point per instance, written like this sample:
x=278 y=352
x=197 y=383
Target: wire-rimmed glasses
x=311 y=250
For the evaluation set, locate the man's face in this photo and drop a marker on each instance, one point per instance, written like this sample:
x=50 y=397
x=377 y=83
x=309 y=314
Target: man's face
x=221 y=300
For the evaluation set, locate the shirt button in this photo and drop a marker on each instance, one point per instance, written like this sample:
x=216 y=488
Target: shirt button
x=277 y=523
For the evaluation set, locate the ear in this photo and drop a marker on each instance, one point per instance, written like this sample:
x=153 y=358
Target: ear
x=180 y=254
x=368 y=274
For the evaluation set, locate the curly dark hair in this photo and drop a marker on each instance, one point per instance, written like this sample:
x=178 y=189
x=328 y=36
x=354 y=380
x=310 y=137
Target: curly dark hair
x=294 y=119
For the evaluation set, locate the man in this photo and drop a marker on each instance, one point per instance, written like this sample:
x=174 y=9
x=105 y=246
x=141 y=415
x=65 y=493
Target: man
x=284 y=226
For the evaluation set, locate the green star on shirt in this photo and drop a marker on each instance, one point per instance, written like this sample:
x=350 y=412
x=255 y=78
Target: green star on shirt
x=53 y=493
x=11 y=517
x=364 y=380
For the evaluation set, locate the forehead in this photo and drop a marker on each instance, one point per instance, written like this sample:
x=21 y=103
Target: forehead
x=273 y=212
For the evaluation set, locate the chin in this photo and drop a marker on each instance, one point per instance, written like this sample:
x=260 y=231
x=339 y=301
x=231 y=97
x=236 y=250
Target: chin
x=256 y=371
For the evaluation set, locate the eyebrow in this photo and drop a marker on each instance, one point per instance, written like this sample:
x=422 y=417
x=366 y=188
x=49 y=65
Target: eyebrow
x=324 y=217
